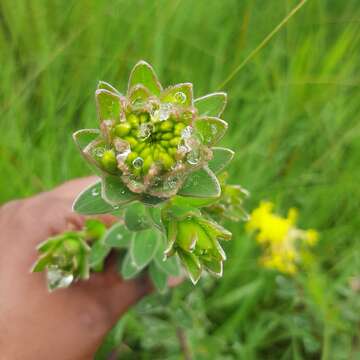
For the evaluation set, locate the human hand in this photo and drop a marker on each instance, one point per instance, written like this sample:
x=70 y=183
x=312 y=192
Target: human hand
x=68 y=324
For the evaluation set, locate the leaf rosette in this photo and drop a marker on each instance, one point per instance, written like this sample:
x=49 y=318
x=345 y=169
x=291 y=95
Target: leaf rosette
x=154 y=143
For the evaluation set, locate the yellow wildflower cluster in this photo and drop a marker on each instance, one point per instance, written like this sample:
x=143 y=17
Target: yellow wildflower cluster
x=282 y=241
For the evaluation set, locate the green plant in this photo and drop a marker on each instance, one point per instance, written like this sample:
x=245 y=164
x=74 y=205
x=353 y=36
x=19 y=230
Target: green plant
x=155 y=154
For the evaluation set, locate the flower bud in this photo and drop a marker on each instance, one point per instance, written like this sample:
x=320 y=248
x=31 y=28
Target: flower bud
x=65 y=258
x=196 y=240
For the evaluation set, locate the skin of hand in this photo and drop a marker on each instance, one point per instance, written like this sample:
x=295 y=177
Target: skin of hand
x=68 y=324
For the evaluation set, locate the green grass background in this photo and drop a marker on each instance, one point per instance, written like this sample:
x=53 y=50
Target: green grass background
x=293 y=119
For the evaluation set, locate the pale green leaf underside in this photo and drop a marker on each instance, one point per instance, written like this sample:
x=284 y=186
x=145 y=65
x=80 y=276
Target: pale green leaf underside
x=211 y=104
x=136 y=217
x=221 y=159
x=98 y=253
x=90 y=202
x=143 y=247
x=115 y=192
x=118 y=236
x=158 y=277
x=201 y=183
x=128 y=269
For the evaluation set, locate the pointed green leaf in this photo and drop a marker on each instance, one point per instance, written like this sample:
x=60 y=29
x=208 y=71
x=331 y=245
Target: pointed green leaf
x=201 y=183
x=192 y=265
x=211 y=104
x=136 y=217
x=214 y=229
x=181 y=94
x=158 y=277
x=115 y=192
x=49 y=244
x=217 y=251
x=106 y=86
x=118 y=236
x=84 y=137
x=90 y=202
x=214 y=267
x=144 y=74
x=170 y=265
x=221 y=158
x=41 y=263
x=210 y=129
x=108 y=105
x=127 y=267
x=143 y=247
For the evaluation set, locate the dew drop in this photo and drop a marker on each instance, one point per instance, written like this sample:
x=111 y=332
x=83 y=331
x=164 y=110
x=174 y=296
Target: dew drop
x=164 y=112
x=144 y=131
x=186 y=133
x=119 y=236
x=95 y=192
x=193 y=157
x=99 y=152
x=138 y=162
x=180 y=97
x=214 y=129
x=57 y=278
x=121 y=157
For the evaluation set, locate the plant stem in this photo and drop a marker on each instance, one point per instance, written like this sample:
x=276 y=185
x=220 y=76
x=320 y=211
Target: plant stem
x=184 y=346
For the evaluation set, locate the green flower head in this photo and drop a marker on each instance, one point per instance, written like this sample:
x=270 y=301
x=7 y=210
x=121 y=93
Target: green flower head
x=151 y=139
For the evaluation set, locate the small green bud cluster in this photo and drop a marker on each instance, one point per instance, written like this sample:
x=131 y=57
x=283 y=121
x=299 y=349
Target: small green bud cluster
x=195 y=239
x=66 y=257
x=151 y=143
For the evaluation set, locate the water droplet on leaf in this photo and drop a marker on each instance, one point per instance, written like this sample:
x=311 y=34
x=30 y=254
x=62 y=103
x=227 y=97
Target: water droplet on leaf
x=144 y=131
x=193 y=157
x=164 y=112
x=187 y=132
x=138 y=162
x=180 y=97
x=57 y=278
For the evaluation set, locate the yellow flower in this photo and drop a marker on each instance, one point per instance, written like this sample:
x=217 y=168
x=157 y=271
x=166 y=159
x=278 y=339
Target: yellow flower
x=280 y=239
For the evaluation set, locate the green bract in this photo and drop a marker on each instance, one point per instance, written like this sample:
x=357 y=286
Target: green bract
x=152 y=139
